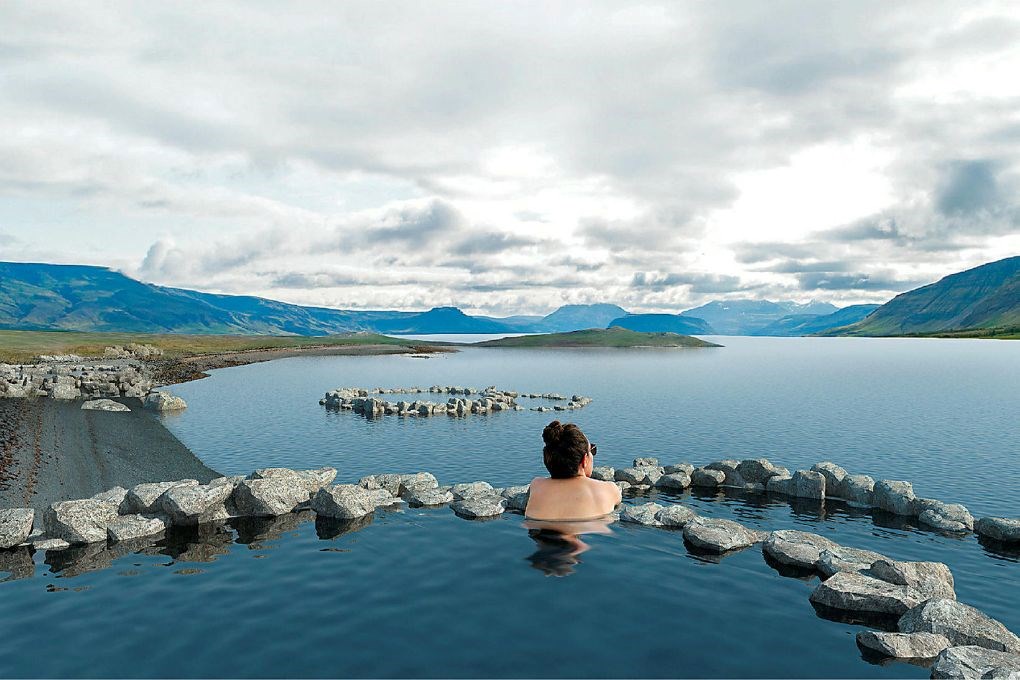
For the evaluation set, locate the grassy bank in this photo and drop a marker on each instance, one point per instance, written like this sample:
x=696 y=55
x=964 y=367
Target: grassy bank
x=600 y=337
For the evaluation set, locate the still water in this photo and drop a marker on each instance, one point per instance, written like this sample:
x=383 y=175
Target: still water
x=420 y=592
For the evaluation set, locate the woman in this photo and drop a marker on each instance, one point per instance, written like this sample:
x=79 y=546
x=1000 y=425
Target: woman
x=570 y=493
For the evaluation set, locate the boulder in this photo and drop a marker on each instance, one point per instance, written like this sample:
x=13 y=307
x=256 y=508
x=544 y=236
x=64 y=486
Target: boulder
x=961 y=624
x=841 y=558
x=44 y=543
x=686 y=468
x=127 y=527
x=117 y=495
x=80 y=521
x=674 y=480
x=971 y=661
x=65 y=392
x=15 y=526
x=759 y=470
x=903 y=645
x=312 y=479
x=929 y=579
x=719 y=535
x=834 y=478
x=518 y=501
x=478 y=507
x=642 y=514
x=416 y=481
x=858 y=491
x=858 y=592
x=807 y=484
x=344 y=501
x=104 y=405
x=895 y=497
x=276 y=494
x=141 y=499
x=729 y=469
x=796 y=548
x=703 y=477
x=646 y=462
x=780 y=484
x=194 y=504
x=675 y=516
x=164 y=401
x=417 y=498
x=468 y=490
x=943 y=516
x=999 y=529
x=647 y=475
x=603 y=473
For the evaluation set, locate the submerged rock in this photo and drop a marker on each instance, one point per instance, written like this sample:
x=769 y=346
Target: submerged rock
x=104 y=405
x=15 y=526
x=961 y=624
x=903 y=645
x=971 y=661
x=644 y=513
x=719 y=535
x=895 y=497
x=675 y=516
x=478 y=507
x=344 y=501
x=999 y=529
x=80 y=521
x=796 y=548
x=128 y=527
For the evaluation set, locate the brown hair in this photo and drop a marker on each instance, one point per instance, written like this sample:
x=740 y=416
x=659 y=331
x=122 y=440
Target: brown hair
x=565 y=448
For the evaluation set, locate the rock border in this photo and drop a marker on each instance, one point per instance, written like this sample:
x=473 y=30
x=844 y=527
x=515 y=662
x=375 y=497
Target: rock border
x=490 y=400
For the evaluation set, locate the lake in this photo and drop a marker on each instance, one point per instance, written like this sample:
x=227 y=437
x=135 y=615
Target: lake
x=421 y=592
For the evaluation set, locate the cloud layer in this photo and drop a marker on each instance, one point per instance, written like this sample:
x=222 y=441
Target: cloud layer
x=509 y=158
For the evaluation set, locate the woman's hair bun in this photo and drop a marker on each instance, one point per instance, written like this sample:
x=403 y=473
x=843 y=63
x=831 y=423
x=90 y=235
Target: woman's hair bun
x=552 y=433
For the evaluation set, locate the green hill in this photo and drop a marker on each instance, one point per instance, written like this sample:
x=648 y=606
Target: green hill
x=986 y=298
x=599 y=337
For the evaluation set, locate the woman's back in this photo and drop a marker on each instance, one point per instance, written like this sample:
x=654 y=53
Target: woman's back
x=571 y=499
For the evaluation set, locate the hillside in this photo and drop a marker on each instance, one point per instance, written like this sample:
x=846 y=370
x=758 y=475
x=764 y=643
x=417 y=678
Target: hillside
x=746 y=317
x=809 y=324
x=578 y=317
x=985 y=298
x=600 y=337
x=663 y=323
x=439 y=320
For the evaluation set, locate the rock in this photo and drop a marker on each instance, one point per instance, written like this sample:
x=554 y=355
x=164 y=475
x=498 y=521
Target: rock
x=344 y=501
x=719 y=535
x=642 y=514
x=903 y=645
x=128 y=527
x=80 y=521
x=686 y=468
x=999 y=529
x=194 y=504
x=675 y=516
x=704 y=477
x=428 y=497
x=961 y=624
x=780 y=484
x=858 y=592
x=312 y=479
x=603 y=473
x=15 y=526
x=834 y=478
x=517 y=501
x=416 y=481
x=164 y=401
x=971 y=661
x=729 y=469
x=858 y=491
x=468 y=490
x=796 y=548
x=806 y=484
x=841 y=558
x=104 y=405
x=117 y=495
x=639 y=475
x=65 y=392
x=943 y=516
x=141 y=499
x=623 y=486
x=477 y=507
x=383 y=498
x=674 y=480
x=646 y=462
x=50 y=544
x=276 y=494
x=895 y=497
x=930 y=579
x=759 y=470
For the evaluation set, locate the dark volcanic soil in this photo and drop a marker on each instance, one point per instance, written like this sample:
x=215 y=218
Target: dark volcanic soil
x=52 y=450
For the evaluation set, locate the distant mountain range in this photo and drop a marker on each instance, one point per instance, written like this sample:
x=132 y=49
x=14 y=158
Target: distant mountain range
x=84 y=298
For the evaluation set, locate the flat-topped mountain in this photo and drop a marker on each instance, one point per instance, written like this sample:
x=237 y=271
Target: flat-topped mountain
x=578 y=317
x=985 y=298
x=745 y=317
x=663 y=323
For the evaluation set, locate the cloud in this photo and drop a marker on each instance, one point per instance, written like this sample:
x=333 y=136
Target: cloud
x=968 y=187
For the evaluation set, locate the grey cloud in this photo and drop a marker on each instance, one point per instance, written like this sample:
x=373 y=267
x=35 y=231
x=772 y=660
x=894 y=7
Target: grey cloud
x=968 y=187
x=698 y=283
x=855 y=281
x=488 y=243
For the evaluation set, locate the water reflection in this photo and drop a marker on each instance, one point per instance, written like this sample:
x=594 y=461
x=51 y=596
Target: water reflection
x=559 y=543
x=17 y=563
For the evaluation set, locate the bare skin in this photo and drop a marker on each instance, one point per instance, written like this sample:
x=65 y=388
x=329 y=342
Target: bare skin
x=575 y=498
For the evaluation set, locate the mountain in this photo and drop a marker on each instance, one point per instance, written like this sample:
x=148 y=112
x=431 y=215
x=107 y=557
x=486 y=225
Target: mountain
x=663 y=323
x=578 y=317
x=809 y=324
x=985 y=297
x=599 y=337
x=745 y=317
x=440 y=320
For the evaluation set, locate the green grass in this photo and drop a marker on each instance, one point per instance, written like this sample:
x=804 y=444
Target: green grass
x=21 y=346
x=599 y=337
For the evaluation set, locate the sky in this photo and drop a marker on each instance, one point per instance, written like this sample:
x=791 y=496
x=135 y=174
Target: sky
x=511 y=157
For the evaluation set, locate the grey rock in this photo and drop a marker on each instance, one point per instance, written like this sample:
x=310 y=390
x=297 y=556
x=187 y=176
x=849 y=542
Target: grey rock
x=999 y=529
x=646 y=475
x=675 y=516
x=858 y=592
x=729 y=469
x=703 y=477
x=141 y=499
x=54 y=544
x=834 y=478
x=686 y=468
x=276 y=494
x=674 y=480
x=644 y=513
x=15 y=526
x=858 y=491
x=796 y=548
x=842 y=558
x=623 y=486
x=719 y=535
x=780 y=484
x=117 y=495
x=417 y=498
x=807 y=484
x=646 y=462
x=164 y=401
x=416 y=481
x=79 y=521
x=344 y=501
x=128 y=527
x=943 y=516
x=468 y=490
x=189 y=505
x=759 y=470
x=603 y=473
x=895 y=497
x=65 y=392
x=312 y=479
x=518 y=502
x=903 y=645
x=929 y=579
x=104 y=405
x=478 y=507
x=972 y=661
x=962 y=624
